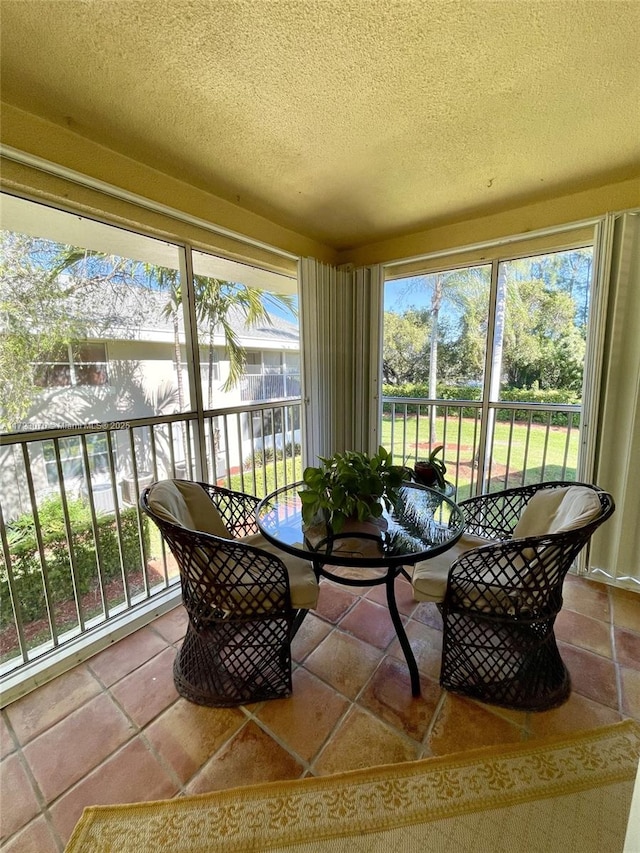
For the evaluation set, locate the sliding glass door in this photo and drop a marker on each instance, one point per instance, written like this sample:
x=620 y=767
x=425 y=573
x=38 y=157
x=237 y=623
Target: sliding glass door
x=488 y=360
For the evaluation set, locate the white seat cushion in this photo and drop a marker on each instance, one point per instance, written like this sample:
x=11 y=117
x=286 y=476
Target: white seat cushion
x=186 y=504
x=556 y=511
x=429 y=579
x=302 y=580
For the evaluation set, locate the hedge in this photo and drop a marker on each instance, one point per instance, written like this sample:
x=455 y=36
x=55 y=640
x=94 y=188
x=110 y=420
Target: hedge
x=472 y=392
x=25 y=560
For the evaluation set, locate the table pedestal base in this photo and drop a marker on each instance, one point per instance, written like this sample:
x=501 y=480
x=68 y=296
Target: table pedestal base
x=389 y=580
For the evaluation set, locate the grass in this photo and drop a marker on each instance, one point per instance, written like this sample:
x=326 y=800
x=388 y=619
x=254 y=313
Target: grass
x=265 y=479
x=520 y=453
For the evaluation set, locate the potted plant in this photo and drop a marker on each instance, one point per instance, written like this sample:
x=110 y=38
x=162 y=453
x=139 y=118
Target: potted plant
x=350 y=486
x=431 y=471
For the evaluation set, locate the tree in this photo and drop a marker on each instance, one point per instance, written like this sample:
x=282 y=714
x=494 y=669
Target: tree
x=405 y=346
x=37 y=315
x=569 y=272
x=216 y=303
x=451 y=290
x=168 y=279
x=53 y=294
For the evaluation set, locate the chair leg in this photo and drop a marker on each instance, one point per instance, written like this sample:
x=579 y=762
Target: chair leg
x=233 y=663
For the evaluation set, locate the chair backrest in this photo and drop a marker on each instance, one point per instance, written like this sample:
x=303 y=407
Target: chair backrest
x=523 y=572
x=220 y=575
x=558 y=510
x=185 y=504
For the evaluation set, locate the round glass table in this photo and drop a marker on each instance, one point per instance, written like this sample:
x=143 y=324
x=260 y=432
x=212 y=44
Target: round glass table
x=423 y=523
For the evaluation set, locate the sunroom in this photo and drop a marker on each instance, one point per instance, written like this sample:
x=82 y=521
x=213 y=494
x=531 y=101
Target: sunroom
x=348 y=229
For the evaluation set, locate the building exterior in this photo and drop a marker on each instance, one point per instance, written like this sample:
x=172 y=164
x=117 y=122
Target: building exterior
x=127 y=373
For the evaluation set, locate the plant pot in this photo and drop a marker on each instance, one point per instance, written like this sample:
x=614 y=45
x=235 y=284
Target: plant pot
x=425 y=474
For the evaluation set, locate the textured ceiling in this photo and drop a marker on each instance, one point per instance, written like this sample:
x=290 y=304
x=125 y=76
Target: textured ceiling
x=347 y=120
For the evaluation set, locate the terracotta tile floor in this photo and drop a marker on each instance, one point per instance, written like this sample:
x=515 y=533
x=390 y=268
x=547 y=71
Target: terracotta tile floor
x=114 y=729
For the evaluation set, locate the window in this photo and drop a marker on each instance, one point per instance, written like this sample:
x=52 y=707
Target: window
x=54 y=370
x=541 y=322
x=71 y=458
x=238 y=308
x=504 y=345
x=76 y=364
x=253 y=363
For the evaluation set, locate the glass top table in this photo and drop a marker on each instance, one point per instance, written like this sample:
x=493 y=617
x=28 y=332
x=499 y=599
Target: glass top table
x=423 y=523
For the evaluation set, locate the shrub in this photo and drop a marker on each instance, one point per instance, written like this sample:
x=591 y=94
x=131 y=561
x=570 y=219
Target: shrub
x=558 y=396
x=263 y=457
x=25 y=560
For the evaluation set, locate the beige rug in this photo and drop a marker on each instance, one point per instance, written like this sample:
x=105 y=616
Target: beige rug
x=556 y=796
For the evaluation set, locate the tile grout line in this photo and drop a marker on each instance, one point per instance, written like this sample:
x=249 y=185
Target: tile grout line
x=614 y=652
x=42 y=802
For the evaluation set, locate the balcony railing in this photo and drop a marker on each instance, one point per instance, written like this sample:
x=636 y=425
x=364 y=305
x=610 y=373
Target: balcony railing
x=269 y=386
x=80 y=565
x=79 y=561
x=516 y=444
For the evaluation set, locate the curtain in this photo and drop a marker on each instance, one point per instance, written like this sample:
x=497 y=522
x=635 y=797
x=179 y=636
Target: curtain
x=341 y=327
x=615 y=550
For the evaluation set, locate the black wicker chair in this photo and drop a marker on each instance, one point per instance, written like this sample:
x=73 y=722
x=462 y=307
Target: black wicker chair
x=502 y=591
x=245 y=599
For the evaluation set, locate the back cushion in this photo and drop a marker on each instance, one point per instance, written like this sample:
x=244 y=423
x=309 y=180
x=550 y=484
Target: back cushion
x=557 y=510
x=579 y=507
x=186 y=504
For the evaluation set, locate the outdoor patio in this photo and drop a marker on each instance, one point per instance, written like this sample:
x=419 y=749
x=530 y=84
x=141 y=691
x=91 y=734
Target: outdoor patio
x=113 y=728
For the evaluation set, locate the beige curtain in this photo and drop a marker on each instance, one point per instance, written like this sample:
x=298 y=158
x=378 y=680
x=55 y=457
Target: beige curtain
x=341 y=327
x=615 y=551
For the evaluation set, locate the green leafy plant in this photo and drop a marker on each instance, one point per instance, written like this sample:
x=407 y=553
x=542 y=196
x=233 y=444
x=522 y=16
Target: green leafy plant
x=350 y=485
x=431 y=471
x=26 y=563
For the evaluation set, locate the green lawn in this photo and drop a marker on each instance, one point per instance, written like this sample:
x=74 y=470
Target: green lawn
x=268 y=478
x=541 y=453
x=509 y=450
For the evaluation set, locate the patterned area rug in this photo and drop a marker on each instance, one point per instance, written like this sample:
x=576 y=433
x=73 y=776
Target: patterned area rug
x=567 y=794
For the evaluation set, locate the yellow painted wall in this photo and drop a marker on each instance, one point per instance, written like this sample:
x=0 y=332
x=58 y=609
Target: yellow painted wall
x=623 y=195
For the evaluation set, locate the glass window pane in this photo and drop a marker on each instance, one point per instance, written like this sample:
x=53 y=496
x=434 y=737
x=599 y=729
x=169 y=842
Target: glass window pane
x=96 y=311
x=435 y=330
x=247 y=323
x=541 y=326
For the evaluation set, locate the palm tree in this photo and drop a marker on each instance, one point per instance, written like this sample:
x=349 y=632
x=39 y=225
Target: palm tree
x=169 y=280
x=216 y=303
x=457 y=286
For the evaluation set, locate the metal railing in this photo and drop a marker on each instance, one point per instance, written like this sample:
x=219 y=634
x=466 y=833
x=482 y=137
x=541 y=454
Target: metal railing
x=79 y=561
x=81 y=565
x=269 y=386
x=486 y=447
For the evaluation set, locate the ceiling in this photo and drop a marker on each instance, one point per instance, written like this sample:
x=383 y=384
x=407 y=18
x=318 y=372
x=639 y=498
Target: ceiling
x=349 y=121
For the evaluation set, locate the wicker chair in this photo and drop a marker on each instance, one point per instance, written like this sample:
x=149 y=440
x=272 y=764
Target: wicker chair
x=500 y=589
x=244 y=598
